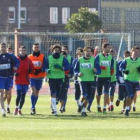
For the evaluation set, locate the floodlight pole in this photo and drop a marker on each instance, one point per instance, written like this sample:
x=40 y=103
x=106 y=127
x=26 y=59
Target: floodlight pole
x=19 y=7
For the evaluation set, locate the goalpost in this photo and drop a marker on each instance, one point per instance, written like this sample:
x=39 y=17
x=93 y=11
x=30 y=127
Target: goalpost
x=119 y=41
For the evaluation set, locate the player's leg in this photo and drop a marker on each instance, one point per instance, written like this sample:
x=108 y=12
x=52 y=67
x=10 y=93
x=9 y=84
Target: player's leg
x=18 y=97
x=38 y=86
x=129 y=90
x=9 y=95
x=111 y=93
x=62 y=91
x=66 y=94
x=86 y=87
x=99 y=93
x=77 y=93
x=83 y=88
x=106 y=92
x=34 y=96
x=120 y=94
x=134 y=100
x=92 y=95
x=22 y=100
x=53 y=90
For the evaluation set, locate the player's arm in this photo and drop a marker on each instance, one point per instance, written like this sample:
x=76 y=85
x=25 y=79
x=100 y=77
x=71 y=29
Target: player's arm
x=47 y=66
x=122 y=67
x=112 y=66
x=16 y=62
x=97 y=67
x=44 y=64
x=66 y=65
x=77 y=69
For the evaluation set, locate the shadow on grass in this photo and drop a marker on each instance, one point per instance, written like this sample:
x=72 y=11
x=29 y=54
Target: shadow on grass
x=91 y=116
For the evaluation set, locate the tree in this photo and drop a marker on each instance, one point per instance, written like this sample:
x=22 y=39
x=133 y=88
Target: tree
x=83 y=21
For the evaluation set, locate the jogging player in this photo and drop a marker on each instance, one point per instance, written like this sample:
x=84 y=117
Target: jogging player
x=8 y=64
x=56 y=67
x=22 y=79
x=106 y=62
x=85 y=69
x=131 y=69
x=39 y=61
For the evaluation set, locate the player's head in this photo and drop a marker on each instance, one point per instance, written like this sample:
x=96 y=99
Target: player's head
x=79 y=53
x=126 y=54
x=9 y=50
x=65 y=48
x=106 y=47
x=87 y=51
x=36 y=47
x=56 y=48
x=112 y=52
x=3 y=48
x=22 y=51
x=135 y=51
x=64 y=53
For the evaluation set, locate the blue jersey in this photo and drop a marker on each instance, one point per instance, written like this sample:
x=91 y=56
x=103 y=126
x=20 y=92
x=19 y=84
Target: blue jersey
x=7 y=62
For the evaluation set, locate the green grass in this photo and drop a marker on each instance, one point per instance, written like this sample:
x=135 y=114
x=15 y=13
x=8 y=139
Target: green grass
x=69 y=125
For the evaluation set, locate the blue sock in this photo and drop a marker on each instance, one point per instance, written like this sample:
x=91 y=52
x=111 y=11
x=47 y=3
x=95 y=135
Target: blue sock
x=36 y=98
x=33 y=101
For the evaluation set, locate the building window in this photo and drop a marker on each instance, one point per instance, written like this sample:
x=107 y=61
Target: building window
x=92 y=9
x=23 y=15
x=65 y=15
x=11 y=15
x=53 y=15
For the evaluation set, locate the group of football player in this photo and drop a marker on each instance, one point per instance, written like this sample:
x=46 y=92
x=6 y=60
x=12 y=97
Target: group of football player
x=95 y=72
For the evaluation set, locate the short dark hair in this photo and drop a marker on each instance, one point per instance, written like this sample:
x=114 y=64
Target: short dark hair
x=22 y=47
x=86 y=48
x=105 y=45
x=65 y=46
x=9 y=48
x=64 y=53
x=79 y=48
x=126 y=52
x=3 y=44
x=36 y=44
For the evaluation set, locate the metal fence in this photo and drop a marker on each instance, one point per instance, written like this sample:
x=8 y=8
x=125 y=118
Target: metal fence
x=119 y=41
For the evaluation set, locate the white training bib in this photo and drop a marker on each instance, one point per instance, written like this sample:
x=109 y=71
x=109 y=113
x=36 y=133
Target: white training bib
x=36 y=63
x=105 y=63
x=5 y=66
x=86 y=66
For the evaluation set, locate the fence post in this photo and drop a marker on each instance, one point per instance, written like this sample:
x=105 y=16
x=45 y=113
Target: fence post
x=17 y=41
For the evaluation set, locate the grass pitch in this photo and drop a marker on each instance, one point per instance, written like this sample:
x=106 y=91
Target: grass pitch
x=69 y=125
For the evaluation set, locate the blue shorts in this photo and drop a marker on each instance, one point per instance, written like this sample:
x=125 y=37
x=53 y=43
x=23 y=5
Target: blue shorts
x=5 y=83
x=103 y=82
x=37 y=83
x=131 y=88
x=112 y=87
x=11 y=82
x=121 y=92
x=88 y=89
x=23 y=88
x=55 y=87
